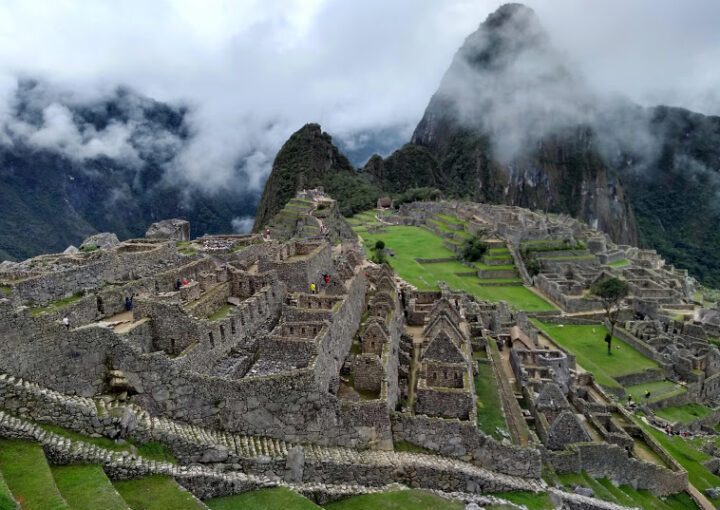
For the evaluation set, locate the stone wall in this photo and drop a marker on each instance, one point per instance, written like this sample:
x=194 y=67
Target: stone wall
x=612 y=462
x=293 y=406
x=448 y=403
x=462 y=439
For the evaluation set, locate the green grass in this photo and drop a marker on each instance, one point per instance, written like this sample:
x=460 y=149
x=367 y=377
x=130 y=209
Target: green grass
x=484 y=281
x=715 y=341
x=221 y=313
x=153 y=451
x=689 y=457
x=398 y=500
x=6 y=290
x=499 y=251
x=489 y=409
x=28 y=476
x=156 y=451
x=451 y=219
x=626 y=495
x=516 y=296
x=504 y=267
x=86 y=487
x=102 y=442
x=587 y=343
x=61 y=303
x=684 y=414
x=534 y=501
x=155 y=493
x=404 y=446
x=6 y=500
x=658 y=390
x=410 y=243
x=569 y=257
x=266 y=499
x=619 y=263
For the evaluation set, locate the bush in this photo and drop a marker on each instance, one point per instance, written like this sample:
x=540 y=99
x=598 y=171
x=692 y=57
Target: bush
x=473 y=249
x=533 y=266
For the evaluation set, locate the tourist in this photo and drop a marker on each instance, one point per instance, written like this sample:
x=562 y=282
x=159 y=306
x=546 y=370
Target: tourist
x=327 y=279
x=312 y=288
x=267 y=234
x=178 y=284
x=457 y=305
x=647 y=394
x=668 y=430
x=629 y=399
x=185 y=282
x=66 y=322
x=128 y=303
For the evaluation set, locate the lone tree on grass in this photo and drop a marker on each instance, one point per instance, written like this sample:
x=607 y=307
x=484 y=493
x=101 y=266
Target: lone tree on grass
x=379 y=253
x=473 y=249
x=610 y=292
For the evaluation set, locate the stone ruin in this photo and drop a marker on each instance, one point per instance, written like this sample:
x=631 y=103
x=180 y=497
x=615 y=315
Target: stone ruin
x=231 y=360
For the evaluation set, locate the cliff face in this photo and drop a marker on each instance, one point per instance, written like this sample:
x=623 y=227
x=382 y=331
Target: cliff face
x=511 y=123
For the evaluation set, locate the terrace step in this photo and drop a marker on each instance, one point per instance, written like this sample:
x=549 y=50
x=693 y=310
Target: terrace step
x=27 y=474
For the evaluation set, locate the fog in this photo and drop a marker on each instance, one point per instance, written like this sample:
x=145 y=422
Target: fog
x=249 y=73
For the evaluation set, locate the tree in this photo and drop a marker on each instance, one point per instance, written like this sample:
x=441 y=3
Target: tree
x=473 y=249
x=610 y=292
x=378 y=255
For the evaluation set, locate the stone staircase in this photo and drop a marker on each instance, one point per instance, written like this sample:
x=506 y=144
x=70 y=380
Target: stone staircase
x=193 y=444
x=202 y=481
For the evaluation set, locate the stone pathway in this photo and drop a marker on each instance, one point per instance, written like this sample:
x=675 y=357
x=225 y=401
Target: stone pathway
x=235 y=447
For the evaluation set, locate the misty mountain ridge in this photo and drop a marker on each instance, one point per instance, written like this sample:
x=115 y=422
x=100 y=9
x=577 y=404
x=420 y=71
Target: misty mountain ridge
x=513 y=122
x=70 y=168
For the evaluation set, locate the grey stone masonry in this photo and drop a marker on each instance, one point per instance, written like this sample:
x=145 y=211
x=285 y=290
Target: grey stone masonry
x=322 y=465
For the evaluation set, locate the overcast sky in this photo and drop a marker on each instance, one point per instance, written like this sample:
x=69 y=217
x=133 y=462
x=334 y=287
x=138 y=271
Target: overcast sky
x=255 y=71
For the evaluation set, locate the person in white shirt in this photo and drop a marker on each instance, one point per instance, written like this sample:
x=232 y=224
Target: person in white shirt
x=66 y=322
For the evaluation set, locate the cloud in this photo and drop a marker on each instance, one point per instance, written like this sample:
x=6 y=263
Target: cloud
x=251 y=72
x=243 y=225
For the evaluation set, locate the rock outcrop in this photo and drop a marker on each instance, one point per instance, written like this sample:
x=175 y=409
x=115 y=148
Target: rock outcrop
x=176 y=229
x=102 y=241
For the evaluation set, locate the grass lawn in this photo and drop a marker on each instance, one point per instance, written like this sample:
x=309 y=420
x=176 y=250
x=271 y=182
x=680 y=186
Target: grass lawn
x=684 y=414
x=221 y=313
x=410 y=243
x=61 y=303
x=619 y=263
x=587 y=343
x=533 y=501
x=516 y=295
x=689 y=457
x=489 y=409
x=155 y=493
x=6 y=499
x=658 y=390
x=266 y=499
x=28 y=475
x=398 y=500
x=86 y=487
x=404 y=446
x=451 y=219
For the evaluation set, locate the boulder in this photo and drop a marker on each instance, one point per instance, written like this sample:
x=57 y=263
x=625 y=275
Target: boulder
x=584 y=491
x=71 y=250
x=176 y=229
x=103 y=241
